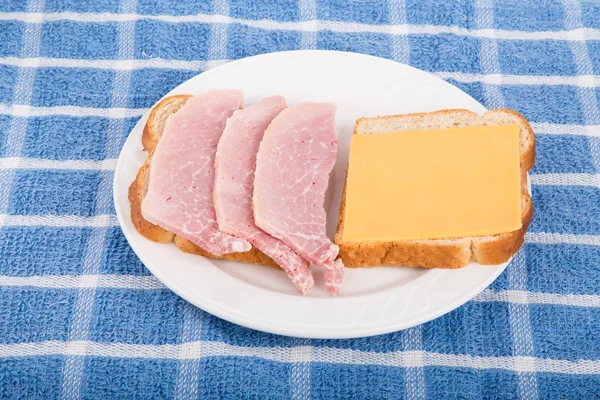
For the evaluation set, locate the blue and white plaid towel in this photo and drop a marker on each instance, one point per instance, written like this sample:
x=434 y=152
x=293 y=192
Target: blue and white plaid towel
x=80 y=316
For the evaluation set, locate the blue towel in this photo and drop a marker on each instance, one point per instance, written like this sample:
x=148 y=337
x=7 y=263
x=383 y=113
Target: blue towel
x=81 y=317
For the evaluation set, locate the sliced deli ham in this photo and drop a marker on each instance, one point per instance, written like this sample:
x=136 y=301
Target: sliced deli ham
x=295 y=157
x=181 y=181
x=234 y=184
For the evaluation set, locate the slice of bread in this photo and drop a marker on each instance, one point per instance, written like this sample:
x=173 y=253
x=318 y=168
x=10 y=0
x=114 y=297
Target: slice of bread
x=443 y=253
x=139 y=187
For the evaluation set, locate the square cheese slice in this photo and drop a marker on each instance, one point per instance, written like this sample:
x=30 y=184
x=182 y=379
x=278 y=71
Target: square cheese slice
x=433 y=184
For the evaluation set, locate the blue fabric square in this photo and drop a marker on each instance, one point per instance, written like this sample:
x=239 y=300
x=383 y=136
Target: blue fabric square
x=82 y=6
x=476 y=329
x=219 y=330
x=590 y=14
x=566 y=209
x=245 y=41
x=465 y=383
x=128 y=125
x=137 y=316
x=536 y=57
x=54 y=192
x=12 y=38
x=178 y=7
x=38 y=377
x=62 y=137
x=567 y=386
x=72 y=87
x=373 y=12
x=124 y=378
x=43 y=250
x=243 y=378
x=594 y=48
x=181 y=41
x=282 y=10
x=118 y=256
x=447 y=13
x=444 y=53
x=35 y=315
x=13 y=5
x=501 y=283
x=529 y=15
x=149 y=85
x=81 y=40
x=563 y=154
x=4 y=125
x=8 y=80
x=577 y=338
x=475 y=89
x=365 y=43
x=562 y=268
x=339 y=381
x=381 y=343
x=555 y=104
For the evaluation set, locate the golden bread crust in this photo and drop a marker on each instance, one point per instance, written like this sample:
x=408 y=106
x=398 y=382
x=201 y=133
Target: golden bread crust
x=443 y=253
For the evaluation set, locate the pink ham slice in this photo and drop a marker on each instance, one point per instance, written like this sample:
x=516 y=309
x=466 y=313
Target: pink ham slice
x=182 y=172
x=234 y=184
x=295 y=158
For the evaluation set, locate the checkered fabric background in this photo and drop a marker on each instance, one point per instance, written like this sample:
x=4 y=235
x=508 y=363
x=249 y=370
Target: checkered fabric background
x=80 y=316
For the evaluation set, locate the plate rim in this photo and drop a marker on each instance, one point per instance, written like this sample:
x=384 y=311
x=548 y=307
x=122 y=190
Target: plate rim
x=255 y=322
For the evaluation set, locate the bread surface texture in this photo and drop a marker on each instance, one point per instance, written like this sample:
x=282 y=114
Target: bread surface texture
x=443 y=253
x=139 y=187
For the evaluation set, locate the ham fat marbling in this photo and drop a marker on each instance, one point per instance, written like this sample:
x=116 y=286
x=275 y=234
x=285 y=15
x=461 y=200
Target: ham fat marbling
x=298 y=152
x=181 y=181
x=234 y=184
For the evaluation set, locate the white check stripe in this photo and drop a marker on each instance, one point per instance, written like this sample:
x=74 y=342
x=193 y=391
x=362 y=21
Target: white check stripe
x=135 y=282
x=400 y=43
x=14 y=140
x=520 y=328
x=300 y=370
x=308 y=36
x=84 y=281
x=414 y=376
x=98 y=221
x=565 y=129
x=191 y=350
x=566 y=179
x=189 y=368
x=580 y=34
x=20 y=110
x=524 y=297
x=559 y=238
x=82 y=313
x=123 y=64
x=488 y=55
x=583 y=63
x=591 y=81
x=159 y=63
x=38 y=163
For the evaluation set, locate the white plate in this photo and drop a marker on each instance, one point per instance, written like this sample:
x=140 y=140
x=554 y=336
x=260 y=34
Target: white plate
x=371 y=301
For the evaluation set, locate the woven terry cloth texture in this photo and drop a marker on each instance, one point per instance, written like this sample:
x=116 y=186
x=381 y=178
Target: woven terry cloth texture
x=80 y=316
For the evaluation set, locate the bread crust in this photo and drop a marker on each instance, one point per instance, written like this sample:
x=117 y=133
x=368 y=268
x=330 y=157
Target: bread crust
x=139 y=187
x=443 y=253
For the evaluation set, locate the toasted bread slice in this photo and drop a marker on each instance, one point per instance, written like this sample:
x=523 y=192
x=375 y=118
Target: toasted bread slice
x=443 y=253
x=139 y=187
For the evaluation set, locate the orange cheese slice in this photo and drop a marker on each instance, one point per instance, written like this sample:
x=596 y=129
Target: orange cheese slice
x=433 y=184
